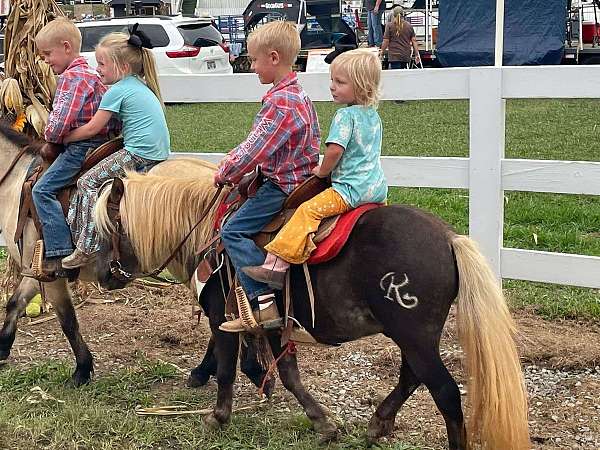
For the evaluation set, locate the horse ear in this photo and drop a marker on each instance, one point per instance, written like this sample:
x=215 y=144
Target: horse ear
x=116 y=191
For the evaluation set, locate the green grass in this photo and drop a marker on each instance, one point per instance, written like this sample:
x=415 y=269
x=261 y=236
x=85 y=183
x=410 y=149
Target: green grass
x=101 y=415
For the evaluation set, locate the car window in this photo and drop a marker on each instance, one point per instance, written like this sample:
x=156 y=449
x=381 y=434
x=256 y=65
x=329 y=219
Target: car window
x=200 y=34
x=157 y=34
x=90 y=36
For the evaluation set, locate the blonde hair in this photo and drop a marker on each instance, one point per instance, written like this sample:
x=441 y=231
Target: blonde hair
x=140 y=60
x=280 y=36
x=364 y=69
x=397 y=16
x=58 y=30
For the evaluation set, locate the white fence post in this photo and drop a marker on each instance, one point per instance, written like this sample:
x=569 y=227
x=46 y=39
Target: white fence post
x=486 y=131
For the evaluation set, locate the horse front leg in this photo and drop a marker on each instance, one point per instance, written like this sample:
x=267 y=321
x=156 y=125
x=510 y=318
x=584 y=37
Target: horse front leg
x=226 y=352
x=250 y=364
x=200 y=375
x=15 y=308
x=60 y=297
x=290 y=378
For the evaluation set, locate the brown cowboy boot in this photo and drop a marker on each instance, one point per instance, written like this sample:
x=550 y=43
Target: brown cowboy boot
x=275 y=279
x=46 y=270
x=266 y=318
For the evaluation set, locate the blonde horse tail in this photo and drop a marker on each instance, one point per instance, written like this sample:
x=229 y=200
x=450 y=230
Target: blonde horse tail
x=496 y=388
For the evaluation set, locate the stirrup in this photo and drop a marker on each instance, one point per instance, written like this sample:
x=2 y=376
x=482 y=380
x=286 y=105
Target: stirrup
x=37 y=260
x=245 y=310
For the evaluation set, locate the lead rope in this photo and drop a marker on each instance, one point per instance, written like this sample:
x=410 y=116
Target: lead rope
x=290 y=349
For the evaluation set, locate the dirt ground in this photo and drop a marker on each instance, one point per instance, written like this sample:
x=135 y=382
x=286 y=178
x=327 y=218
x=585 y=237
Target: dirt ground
x=561 y=361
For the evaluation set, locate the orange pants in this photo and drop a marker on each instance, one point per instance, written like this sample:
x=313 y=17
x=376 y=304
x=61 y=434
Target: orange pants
x=294 y=242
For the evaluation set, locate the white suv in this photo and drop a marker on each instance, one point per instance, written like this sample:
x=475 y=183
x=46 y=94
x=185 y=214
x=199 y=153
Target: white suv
x=182 y=45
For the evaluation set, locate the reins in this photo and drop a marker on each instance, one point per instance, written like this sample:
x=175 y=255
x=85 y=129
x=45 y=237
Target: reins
x=116 y=268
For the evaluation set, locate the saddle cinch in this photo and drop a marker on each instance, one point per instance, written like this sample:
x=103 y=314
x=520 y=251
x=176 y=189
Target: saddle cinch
x=48 y=153
x=214 y=257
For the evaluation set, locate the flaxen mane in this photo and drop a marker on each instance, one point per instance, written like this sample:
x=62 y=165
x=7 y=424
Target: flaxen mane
x=156 y=213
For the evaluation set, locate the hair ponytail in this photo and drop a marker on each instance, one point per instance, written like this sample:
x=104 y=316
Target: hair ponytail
x=150 y=74
x=397 y=13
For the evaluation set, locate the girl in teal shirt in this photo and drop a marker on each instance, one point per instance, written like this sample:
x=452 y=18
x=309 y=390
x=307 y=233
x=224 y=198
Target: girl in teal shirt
x=126 y=63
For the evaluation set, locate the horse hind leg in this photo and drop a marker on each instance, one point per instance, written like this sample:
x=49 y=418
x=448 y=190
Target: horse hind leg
x=429 y=369
x=384 y=417
x=15 y=307
x=60 y=297
x=290 y=378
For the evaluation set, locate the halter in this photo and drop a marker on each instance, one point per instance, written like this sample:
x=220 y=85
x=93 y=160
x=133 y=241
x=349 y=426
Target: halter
x=116 y=268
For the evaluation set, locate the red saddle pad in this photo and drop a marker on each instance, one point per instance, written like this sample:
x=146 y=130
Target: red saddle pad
x=329 y=247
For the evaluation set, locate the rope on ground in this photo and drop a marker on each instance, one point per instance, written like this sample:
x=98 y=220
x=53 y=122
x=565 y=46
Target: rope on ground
x=179 y=410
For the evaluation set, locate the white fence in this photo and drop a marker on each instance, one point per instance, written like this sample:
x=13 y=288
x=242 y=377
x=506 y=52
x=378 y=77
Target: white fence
x=486 y=173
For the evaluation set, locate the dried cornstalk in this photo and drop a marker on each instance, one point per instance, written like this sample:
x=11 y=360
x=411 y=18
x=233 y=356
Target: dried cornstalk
x=29 y=84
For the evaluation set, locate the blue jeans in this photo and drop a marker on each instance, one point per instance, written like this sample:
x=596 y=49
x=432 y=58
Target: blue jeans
x=56 y=232
x=237 y=235
x=375 y=36
x=398 y=65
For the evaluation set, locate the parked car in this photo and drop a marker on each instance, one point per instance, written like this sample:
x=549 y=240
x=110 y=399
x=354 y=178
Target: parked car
x=182 y=45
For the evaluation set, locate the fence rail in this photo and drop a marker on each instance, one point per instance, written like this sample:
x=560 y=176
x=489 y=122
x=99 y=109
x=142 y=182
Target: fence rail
x=486 y=173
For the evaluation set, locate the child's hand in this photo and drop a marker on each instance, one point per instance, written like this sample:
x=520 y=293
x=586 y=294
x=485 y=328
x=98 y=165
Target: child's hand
x=217 y=180
x=317 y=171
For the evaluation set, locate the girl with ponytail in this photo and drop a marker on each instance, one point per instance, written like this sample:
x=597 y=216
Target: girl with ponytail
x=398 y=38
x=126 y=63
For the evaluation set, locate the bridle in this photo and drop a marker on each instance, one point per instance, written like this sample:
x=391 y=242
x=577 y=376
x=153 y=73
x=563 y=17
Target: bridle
x=116 y=268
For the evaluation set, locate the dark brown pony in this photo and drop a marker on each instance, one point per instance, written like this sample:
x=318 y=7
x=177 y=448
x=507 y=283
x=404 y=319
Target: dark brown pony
x=57 y=292
x=398 y=275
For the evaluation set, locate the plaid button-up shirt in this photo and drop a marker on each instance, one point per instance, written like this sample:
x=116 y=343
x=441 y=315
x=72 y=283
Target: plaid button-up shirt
x=78 y=94
x=284 y=139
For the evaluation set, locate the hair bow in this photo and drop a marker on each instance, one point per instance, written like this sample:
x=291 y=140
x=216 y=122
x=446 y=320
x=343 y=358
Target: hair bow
x=138 y=38
x=343 y=44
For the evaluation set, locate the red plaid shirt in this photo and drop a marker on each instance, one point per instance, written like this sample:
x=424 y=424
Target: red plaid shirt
x=78 y=94
x=284 y=139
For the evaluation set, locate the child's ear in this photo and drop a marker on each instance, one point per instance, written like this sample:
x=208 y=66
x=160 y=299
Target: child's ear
x=68 y=47
x=274 y=55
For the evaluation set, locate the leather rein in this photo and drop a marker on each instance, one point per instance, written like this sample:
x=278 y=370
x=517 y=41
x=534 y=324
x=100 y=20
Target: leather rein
x=116 y=268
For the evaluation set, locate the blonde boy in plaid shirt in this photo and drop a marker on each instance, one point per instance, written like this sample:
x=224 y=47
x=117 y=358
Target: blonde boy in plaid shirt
x=78 y=94
x=284 y=142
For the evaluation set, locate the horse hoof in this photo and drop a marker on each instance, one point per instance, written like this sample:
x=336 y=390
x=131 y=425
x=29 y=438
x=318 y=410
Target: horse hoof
x=379 y=428
x=78 y=379
x=4 y=354
x=212 y=422
x=197 y=380
x=327 y=430
x=269 y=387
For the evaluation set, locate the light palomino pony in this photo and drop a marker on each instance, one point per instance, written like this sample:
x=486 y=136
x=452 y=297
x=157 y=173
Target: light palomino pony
x=398 y=274
x=58 y=293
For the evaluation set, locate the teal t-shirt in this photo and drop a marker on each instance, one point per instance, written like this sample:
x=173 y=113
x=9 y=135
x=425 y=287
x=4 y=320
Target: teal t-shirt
x=145 y=131
x=358 y=176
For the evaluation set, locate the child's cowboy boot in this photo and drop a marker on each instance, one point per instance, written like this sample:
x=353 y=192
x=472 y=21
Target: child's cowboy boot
x=266 y=316
x=275 y=279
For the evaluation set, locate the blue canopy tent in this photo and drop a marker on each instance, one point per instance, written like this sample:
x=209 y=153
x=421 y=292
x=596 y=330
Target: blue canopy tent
x=534 y=32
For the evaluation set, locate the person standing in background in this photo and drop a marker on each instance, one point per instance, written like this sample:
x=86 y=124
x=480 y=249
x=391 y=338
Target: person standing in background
x=374 y=13
x=399 y=38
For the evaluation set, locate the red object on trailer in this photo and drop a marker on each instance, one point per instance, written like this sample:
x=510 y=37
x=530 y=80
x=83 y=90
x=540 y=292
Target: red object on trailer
x=590 y=30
